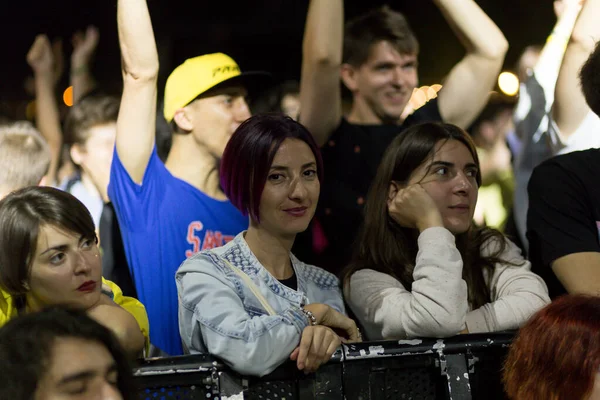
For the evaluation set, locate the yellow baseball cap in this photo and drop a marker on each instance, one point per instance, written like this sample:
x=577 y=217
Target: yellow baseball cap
x=196 y=75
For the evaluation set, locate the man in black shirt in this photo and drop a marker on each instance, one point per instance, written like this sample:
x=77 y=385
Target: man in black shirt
x=379 y=67
x=563 y=222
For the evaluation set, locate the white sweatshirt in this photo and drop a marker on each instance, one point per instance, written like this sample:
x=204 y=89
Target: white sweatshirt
x=437 y=306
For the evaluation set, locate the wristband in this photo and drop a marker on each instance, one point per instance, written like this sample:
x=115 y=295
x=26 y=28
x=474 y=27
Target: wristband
x=312 y=320
x=79 y=70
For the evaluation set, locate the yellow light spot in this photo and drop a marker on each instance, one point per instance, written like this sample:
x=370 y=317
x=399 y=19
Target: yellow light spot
x=508 y=83
x=436 y=87
x=68 y=96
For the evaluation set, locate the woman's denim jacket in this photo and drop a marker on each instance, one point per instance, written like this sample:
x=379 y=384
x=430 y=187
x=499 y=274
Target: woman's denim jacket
x=219 y=315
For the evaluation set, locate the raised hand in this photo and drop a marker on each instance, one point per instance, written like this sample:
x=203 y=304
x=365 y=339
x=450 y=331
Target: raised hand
x=84 y=46
x=40 y=56
x=561 y=5
x=413 y=207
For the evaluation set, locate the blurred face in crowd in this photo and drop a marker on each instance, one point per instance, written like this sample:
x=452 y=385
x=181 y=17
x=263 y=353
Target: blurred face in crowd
x=450 y=178
x=79 y=370
x=384 y=83
x=290 y=106
x=291 y=192
x=214 y=116
x=66 y=269
x=95 y=156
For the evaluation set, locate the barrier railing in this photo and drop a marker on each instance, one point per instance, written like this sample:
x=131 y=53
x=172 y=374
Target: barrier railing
x=462 y=367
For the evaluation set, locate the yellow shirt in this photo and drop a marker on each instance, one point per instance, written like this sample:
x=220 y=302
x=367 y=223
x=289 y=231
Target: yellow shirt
x=8 y=309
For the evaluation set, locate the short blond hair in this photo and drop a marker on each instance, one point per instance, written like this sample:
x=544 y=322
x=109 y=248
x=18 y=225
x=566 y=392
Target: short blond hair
x=24 y=156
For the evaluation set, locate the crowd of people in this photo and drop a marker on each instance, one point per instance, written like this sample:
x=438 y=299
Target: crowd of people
x=281 y=234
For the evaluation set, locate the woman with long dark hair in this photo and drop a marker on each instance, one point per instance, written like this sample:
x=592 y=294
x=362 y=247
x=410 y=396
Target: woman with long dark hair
x=420 y=267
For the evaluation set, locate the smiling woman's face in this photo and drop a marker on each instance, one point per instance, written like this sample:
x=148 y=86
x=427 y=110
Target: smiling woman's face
x=66 y=269
x=450 y=178
x=291 y=192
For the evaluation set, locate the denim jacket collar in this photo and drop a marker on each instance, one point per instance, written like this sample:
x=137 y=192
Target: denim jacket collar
x=240 y=256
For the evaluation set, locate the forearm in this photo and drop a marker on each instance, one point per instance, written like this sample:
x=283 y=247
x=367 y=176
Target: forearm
x=324 y=32
x=136 y=39
x=320 y=95
x=435 y=306
x=570 y=106
x=82 y=80
x=122 y=324
x=475 y=30
x=522 y=296
x=137 y=113
x=258 y=345
x=467 y=88
x=48 y=120
x=547 y=67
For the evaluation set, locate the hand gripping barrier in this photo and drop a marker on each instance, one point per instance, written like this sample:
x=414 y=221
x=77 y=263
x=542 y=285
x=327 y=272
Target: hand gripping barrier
x=462 y=367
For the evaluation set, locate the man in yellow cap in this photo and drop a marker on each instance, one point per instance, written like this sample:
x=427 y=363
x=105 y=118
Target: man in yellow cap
x=167 y=212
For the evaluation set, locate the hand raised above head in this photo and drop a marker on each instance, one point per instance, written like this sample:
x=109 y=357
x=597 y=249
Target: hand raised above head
x=413 y=207
x=40 y=56
x=84 y=45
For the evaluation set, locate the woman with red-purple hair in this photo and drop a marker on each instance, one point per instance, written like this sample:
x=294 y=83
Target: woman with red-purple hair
x=251 y=302
x=556 y=355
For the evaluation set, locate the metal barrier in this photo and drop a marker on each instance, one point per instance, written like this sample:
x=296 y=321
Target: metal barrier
x=461 y=367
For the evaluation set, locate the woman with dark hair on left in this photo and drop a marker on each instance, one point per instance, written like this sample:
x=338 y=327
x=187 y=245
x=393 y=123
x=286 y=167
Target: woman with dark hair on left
x=49 y=255
x=61 y=353
x=251 y=302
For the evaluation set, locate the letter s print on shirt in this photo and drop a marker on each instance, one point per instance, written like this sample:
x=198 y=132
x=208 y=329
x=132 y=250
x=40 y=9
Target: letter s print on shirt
x=192 y=238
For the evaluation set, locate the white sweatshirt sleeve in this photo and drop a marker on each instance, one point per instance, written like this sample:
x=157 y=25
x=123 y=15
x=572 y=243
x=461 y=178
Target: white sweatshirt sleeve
x=515 y=291
x=436 y=306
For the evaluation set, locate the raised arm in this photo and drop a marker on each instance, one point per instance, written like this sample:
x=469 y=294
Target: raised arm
x=570 y=107
x=137 y=115
x=84 y=47
x=548 y=65
x=41 y=59
x=466 y=90
x=320 y=93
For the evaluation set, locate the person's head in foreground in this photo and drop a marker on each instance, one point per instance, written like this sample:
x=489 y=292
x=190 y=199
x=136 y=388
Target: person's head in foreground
x=49 y=256
x=24 y=157
x=556 y=355
x=61 y=353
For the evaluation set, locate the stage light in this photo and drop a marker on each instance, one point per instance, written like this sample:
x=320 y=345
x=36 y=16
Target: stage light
x=68 y=96
x=508 y=83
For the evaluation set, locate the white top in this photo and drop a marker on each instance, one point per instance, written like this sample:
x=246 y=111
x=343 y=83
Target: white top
x=437 y=306
x=587 y=136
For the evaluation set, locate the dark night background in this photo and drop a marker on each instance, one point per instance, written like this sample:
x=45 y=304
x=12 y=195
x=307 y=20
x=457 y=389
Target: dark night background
x=259 y=34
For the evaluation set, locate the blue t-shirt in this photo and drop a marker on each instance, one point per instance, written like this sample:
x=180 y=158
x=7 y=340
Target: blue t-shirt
x=164 y=221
